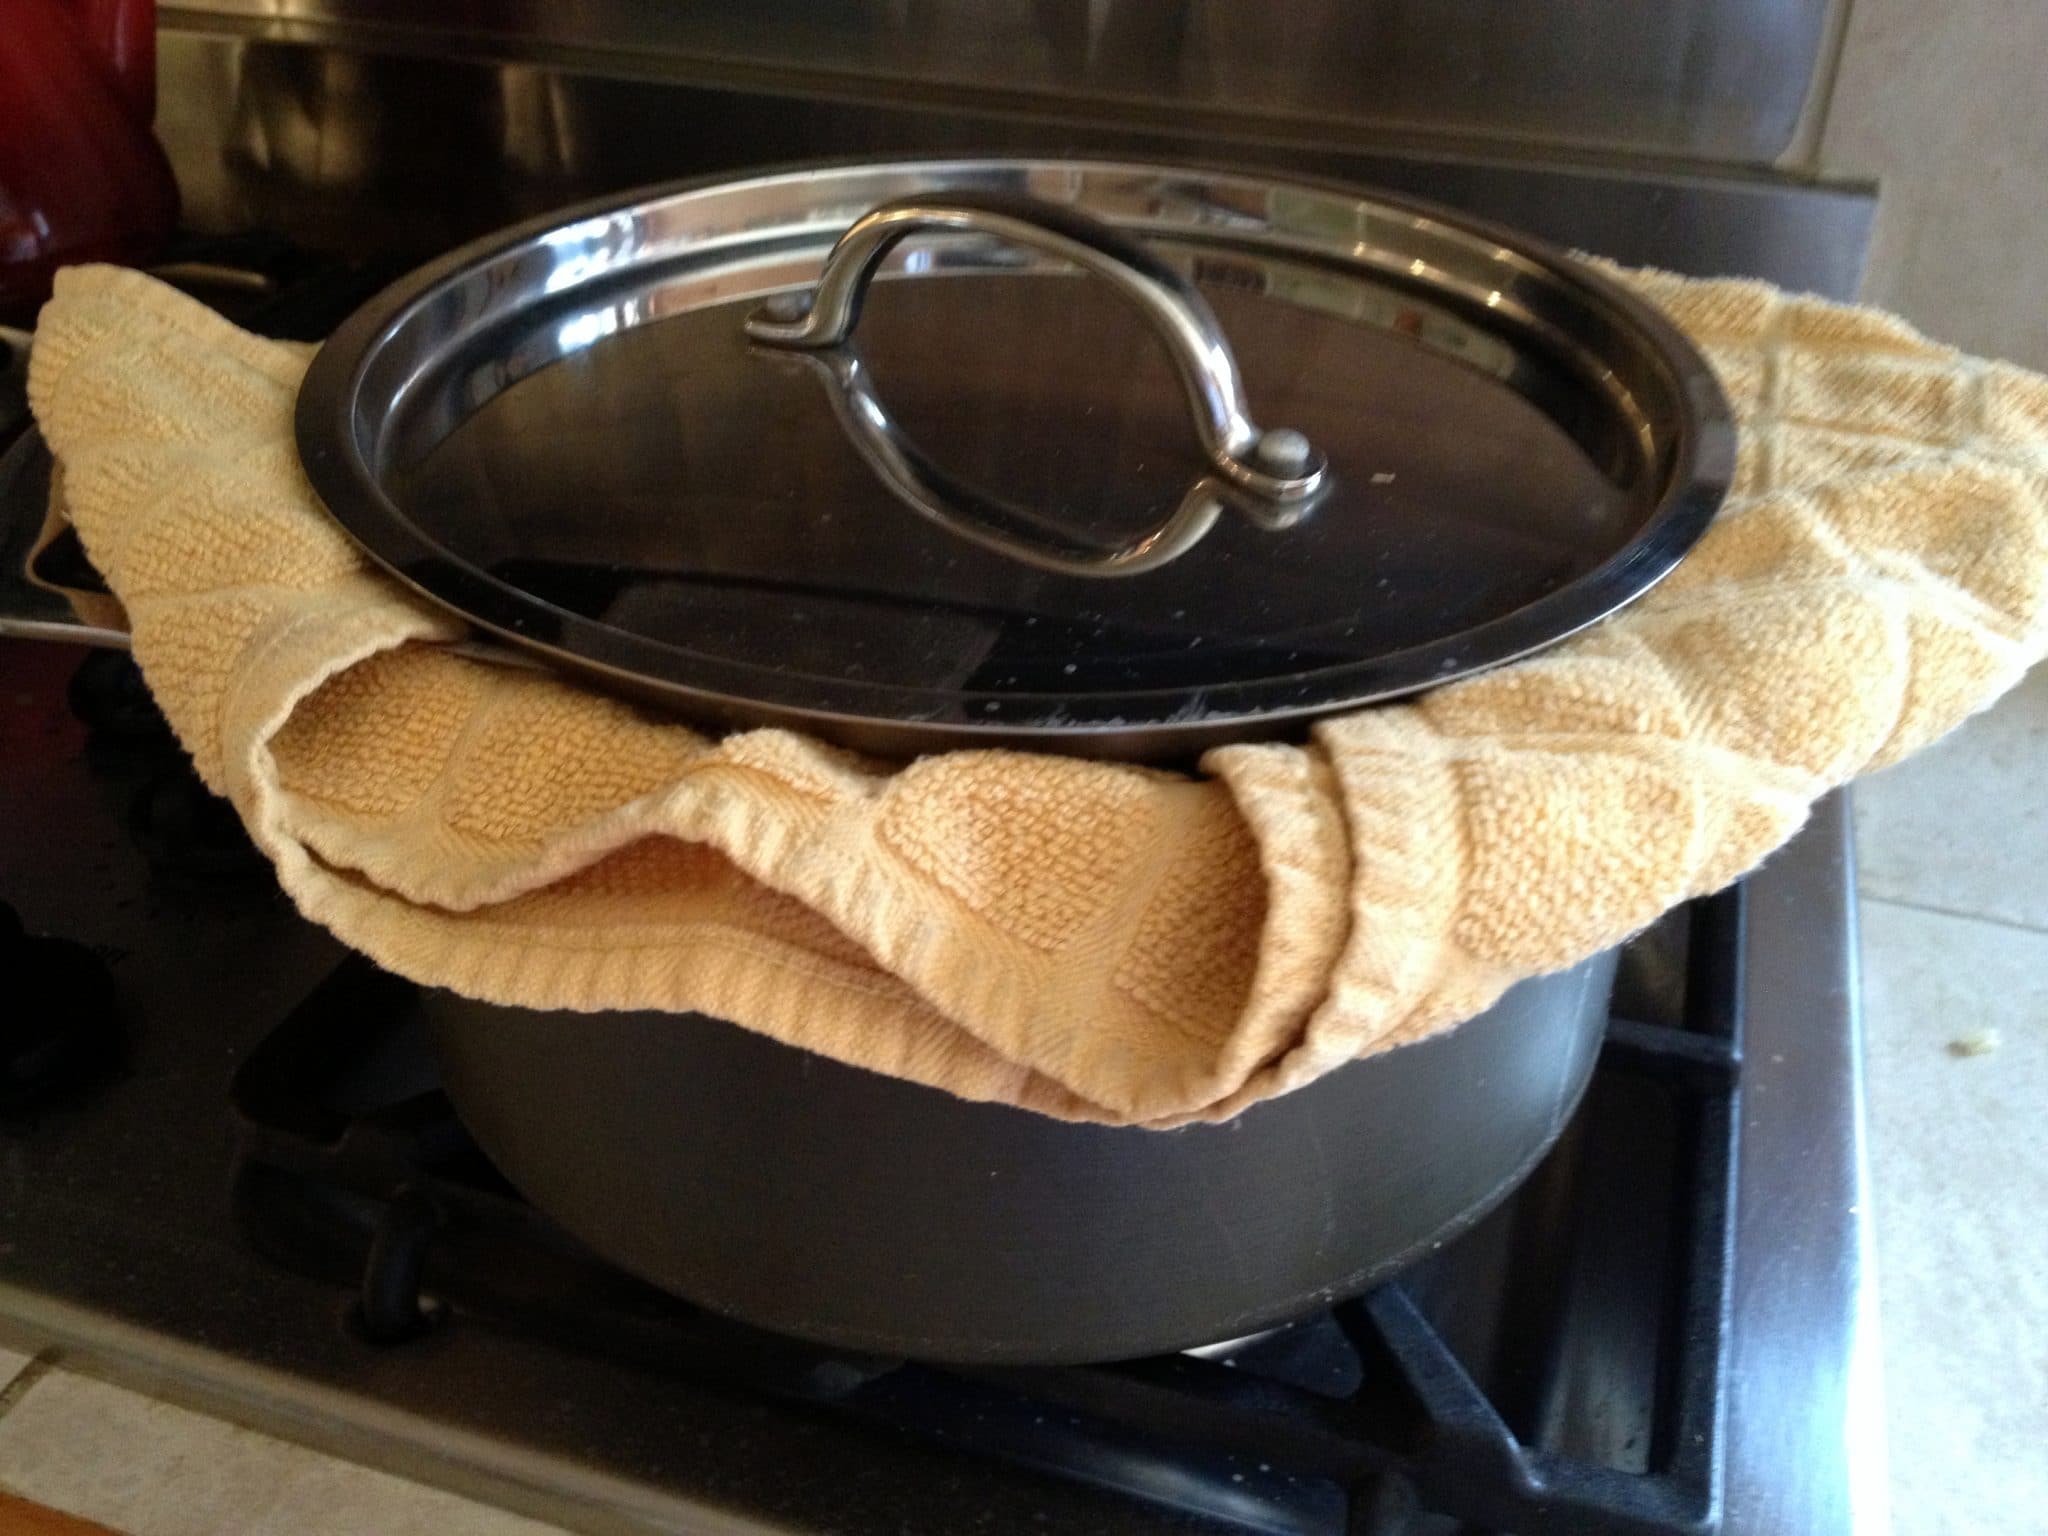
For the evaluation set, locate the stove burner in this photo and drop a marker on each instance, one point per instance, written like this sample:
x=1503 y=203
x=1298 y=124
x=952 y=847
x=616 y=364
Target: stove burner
x=1395 y=1413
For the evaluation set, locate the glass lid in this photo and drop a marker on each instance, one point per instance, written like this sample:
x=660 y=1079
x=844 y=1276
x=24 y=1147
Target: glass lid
x=1117 y=459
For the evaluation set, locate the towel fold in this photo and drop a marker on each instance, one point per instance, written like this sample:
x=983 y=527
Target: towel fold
x=1089 y=940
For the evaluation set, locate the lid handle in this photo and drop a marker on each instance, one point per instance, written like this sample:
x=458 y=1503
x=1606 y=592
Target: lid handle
x=1278 y=467
x=1010 y=530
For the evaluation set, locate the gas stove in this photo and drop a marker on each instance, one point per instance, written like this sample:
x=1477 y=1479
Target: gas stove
x=1557 y=1371
x=230 y=1177
x=237 y=1183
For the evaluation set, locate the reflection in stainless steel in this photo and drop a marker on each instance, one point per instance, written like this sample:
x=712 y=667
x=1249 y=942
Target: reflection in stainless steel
x=1735 y=81
x=396 y=153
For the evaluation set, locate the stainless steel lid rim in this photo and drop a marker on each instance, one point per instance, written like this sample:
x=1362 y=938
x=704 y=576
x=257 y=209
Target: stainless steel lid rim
x=379 y=362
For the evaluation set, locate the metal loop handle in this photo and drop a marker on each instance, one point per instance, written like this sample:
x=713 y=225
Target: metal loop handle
x=1278 y=467
x=1000 y=525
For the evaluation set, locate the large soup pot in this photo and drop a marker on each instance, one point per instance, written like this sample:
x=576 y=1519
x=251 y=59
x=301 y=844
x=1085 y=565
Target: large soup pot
x=1121 y=460
x=838 y=1204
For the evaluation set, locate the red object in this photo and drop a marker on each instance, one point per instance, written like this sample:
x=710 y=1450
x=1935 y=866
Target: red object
x=81 y=176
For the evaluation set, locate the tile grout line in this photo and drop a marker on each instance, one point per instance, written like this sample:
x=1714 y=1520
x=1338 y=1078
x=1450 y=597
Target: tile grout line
x=1958 y=913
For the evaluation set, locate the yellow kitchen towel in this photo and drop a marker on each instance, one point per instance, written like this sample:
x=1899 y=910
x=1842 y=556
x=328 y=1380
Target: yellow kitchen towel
x=1092 y=941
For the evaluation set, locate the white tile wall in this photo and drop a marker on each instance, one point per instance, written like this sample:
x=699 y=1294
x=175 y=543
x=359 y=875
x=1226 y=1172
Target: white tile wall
x=1941 y=99
x=1943 y=102
x=1963 y=827
x=1960 y=1165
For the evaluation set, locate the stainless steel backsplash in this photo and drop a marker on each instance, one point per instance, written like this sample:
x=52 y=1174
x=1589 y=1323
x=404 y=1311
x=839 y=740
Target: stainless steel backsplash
x=1720 y=81
x=374 y=126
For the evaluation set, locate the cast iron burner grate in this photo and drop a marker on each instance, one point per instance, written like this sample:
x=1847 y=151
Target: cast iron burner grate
x=1587 y=1397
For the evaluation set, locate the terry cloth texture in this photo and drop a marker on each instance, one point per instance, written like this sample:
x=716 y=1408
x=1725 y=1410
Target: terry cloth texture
x=1089 y=940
